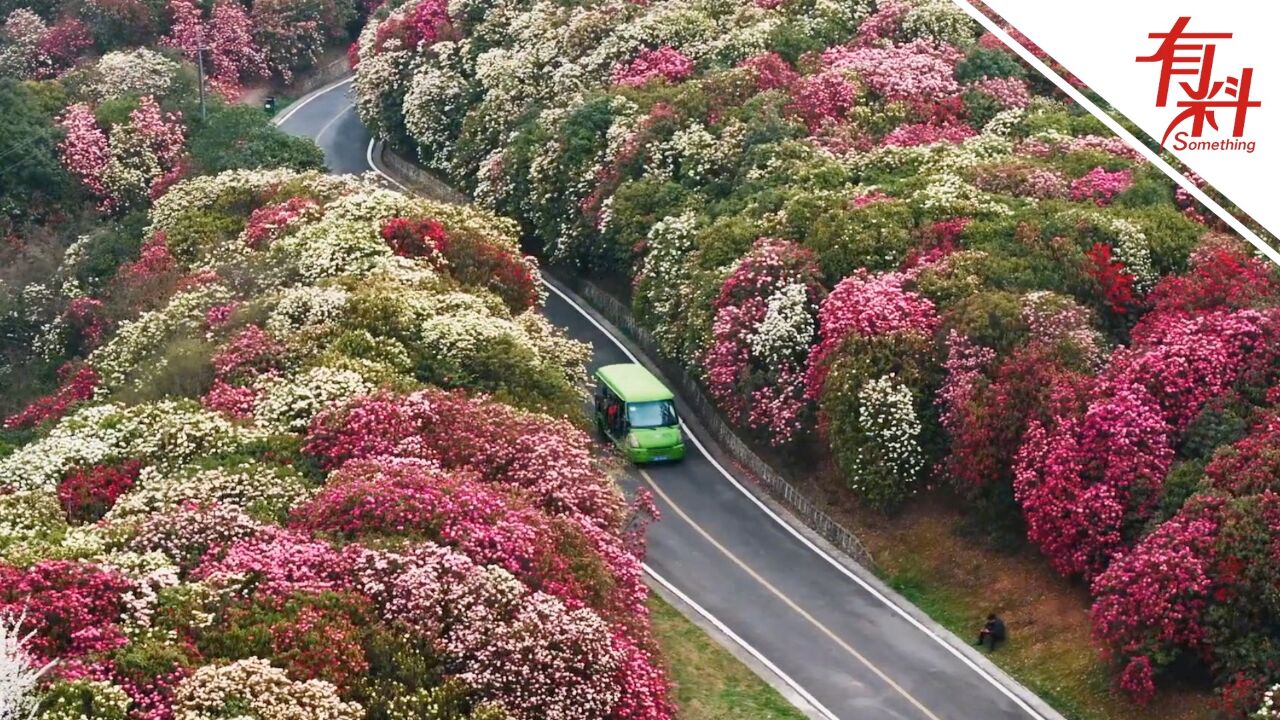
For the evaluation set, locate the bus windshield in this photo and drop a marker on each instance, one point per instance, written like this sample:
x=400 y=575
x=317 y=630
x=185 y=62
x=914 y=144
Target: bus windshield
x=659 y=413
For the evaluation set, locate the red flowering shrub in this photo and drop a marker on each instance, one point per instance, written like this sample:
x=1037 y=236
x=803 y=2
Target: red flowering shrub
x=64 y=43
x=73 y=607
x=1116 y=284
x=822 y=99
x=546 y=457
x=231 y=400
x=1252 y=464
x=475 y=261
x=1081 y=480
x=414 y=238
x=1184 y=360
x=986 y=421
x=87 y=322
x=1151 y=602
x=87 y=494
x=248 y=354
x=232 y=53
x=78 y=384
x=1221 y=275
x=469 y=258
x=154 y=261
x=269 y=222
x=318 y=642
x=911 y=134
x=407 y=498
x=771 y=71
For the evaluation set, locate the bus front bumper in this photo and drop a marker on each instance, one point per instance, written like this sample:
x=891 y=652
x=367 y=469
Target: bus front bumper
x=647 y=455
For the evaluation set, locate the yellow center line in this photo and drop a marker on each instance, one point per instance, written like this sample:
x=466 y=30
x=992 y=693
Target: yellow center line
x=788 y=601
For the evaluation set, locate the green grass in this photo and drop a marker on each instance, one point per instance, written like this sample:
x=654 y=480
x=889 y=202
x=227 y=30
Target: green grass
x=1062 y=670
x=710 y=683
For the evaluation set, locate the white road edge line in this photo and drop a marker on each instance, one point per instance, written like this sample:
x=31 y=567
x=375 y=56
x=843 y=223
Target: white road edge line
x=774 y=516
x=805 y=541
x=298 y=105
x=742 y=643
x=368 y=158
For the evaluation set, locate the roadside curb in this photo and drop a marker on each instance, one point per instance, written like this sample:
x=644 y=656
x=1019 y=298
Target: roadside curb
x=957 y=645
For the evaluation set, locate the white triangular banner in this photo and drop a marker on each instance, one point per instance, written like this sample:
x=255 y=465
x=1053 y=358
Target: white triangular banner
x=1100 y=41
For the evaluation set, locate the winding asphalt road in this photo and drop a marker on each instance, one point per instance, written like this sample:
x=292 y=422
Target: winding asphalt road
x=838 y=644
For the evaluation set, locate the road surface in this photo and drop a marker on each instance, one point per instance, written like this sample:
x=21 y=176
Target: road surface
x=826 y=634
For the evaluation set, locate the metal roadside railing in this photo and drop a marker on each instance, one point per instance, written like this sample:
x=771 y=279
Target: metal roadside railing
x=709 y=416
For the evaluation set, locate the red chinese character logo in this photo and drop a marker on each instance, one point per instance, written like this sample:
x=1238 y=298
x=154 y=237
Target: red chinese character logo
x=1183 y=53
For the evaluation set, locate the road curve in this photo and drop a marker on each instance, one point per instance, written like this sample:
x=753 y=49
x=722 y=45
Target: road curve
x=831 y=637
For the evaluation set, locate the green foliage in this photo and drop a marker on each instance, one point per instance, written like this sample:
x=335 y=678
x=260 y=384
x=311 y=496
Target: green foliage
x=182 y=368
x=876 y=236
x=637 y=205
x=724 y=241
x=31 y=176
x=1150 y=188
x=1221 y=421
x=981 y=107
x=1182 y=482
x=992 y=319
x=880 y=474
x=1171 y=236
x=509 y=370
x=985 y=62
x=791 y=40
x=241 y=137
x=115 y=111
x=201 y=229
x=113 y=244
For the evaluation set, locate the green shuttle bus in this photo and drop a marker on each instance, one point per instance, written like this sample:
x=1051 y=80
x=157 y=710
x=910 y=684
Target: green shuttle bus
x=638 y=413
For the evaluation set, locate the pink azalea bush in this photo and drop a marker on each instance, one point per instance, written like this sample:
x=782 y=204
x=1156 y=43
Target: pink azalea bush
x=232 y=53
x=764 y=322
x=869 y=306
x=1101 y=186
x=665 y=63
x=121 y=166
x=914 y=71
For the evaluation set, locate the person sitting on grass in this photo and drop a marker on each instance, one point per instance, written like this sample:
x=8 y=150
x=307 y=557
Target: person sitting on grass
x=993 y=632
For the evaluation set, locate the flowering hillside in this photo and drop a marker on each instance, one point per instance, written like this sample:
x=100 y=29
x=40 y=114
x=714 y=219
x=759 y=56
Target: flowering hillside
x=242 y=41
x=869 y=229
x=324 y=469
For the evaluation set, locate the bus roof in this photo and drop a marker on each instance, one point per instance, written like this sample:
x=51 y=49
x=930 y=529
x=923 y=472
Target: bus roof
x=633 y=383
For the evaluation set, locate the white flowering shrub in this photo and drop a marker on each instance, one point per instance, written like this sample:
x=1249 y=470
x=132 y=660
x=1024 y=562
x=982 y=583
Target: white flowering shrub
x=888 y=465
x=260 y=489
x=19 y=673
x=788 y=327
x=1270 y=707
x=289 y=404
x=165 y=433
x=80 y=699
x=254 y=686
x=123 y=73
